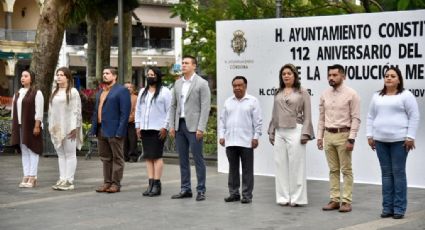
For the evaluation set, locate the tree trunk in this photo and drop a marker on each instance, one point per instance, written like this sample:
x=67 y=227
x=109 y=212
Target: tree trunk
x=91 y=20
x=366 y=6
x=103 y=45
x=48 y=41
x=128 y=65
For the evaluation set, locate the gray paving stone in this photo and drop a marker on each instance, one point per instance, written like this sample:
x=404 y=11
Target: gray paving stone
x=82 y=208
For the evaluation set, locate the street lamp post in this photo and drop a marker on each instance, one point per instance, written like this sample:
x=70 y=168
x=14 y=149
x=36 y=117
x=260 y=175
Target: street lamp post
x=121 y=63
x=278 y=8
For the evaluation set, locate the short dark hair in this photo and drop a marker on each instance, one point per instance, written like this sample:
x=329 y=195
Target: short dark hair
x=113 y=70
x=297 y=84
x=194 y=61
x=339 y=67
x=400 y=87
x=240 y=78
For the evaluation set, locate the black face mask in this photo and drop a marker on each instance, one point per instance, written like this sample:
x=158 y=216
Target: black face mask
x=151 y=80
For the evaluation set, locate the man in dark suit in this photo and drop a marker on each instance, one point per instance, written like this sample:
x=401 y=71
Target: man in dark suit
x=188 y=116
x=109 y=123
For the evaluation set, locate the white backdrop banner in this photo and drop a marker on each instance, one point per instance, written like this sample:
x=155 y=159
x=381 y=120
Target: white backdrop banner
x=365 y=44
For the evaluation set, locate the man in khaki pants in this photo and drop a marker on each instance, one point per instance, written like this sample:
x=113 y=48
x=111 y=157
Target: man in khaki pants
x=339 y=122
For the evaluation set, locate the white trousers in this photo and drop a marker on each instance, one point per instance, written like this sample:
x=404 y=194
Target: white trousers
x=67 y=159
x=29 y=161
x=289 y=154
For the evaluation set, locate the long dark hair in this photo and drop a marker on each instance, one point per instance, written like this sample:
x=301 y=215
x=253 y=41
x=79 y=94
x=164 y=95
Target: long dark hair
x=158 y=76
x=68 y=76
x=400 y=87
x=297 y=83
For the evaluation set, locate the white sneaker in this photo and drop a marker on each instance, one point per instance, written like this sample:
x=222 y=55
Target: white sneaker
x=58 y=183
x=66 y=186
x=24 y=181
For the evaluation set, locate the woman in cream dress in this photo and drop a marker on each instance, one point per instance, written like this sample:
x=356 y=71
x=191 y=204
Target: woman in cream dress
x=65 y=127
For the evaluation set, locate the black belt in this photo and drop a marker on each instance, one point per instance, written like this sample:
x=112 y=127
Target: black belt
x=338 y=130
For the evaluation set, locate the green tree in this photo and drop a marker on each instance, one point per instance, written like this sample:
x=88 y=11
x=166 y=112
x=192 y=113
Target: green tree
x=48 y=41
x=99 y=16
x=393 y=5
x=200 y=37
x=55 y=15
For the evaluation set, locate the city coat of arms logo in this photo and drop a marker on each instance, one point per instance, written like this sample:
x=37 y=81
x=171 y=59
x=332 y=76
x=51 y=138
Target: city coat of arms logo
x=238 y=42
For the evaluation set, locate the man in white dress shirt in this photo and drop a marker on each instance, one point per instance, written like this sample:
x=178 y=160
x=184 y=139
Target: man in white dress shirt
x=239 y=130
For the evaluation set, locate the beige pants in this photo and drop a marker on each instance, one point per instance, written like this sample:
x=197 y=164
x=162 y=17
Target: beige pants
x=339 y=161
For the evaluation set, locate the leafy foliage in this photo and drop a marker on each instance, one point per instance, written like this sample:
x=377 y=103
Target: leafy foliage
x=106 y=8
x=393 y=5
x=202 y=16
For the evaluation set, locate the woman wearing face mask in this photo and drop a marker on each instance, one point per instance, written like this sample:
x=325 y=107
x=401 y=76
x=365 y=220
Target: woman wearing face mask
x=153 y=103
x=65 y=127
x=27 y=117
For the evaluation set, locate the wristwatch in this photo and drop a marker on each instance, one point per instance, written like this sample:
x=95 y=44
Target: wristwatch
x=351 y=141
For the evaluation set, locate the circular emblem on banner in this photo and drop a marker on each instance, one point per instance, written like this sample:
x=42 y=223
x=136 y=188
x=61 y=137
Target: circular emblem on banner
x=238 y=42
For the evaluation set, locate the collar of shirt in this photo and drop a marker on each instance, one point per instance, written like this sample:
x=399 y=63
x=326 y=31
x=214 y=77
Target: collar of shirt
x=190 y=79
x=108 y=87
x=23 y=90
x=339 y=88
x=245 y=97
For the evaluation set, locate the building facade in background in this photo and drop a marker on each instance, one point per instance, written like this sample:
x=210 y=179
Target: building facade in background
x=156 y=40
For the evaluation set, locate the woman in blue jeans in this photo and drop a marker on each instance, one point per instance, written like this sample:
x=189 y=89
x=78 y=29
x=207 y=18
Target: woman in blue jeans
x=392 y=121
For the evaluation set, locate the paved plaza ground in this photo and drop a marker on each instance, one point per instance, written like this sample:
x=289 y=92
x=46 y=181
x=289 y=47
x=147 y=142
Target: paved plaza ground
x=42 y=208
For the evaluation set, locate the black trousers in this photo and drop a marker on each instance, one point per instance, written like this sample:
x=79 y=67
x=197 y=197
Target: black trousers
x=130 y=143
x=246 y=156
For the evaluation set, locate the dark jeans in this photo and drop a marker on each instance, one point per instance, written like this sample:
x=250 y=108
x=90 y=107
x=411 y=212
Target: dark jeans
x=392 y=158
x=184 y=140
x=130 y=143
x=246 y=156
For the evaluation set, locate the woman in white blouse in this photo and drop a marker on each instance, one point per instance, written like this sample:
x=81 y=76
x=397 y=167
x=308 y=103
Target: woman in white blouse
x=392 y=122
x=27 y=117
x=65 y=127
x=152 y=106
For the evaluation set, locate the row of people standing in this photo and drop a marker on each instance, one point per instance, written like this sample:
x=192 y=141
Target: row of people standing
x=392 y=122
x=393 y=119
x=289 y=131
x=290 y=128
x=115 y=114
x=65 y=127
x=184 y=111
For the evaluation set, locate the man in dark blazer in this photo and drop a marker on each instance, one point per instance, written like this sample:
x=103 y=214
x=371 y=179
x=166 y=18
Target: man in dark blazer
x=109 y=123
x=188 y=116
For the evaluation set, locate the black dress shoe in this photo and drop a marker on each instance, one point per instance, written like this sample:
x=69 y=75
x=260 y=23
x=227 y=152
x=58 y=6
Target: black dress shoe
x=182 y=195
x=398 y=216
x=200 y=196
x=246 y=200
x=386 y=215
x=232 y=198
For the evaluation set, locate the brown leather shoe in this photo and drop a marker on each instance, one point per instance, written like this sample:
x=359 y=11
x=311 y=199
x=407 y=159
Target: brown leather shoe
x=113 y=189
x=345 y=207
x=332 y=205
x=103 y=188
